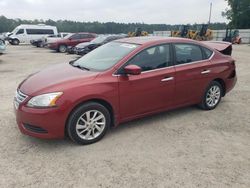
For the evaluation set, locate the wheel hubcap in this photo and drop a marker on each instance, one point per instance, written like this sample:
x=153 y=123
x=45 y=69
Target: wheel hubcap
x=62 y=48
x=90 y=125
x=213 y=96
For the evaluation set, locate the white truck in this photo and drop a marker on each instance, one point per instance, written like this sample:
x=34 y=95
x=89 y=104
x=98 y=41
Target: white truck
x=26 y=33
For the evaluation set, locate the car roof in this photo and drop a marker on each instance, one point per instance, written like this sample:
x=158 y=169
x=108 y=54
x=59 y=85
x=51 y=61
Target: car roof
x=153 y=40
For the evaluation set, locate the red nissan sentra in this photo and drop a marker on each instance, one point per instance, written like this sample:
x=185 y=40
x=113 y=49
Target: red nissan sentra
x=121 y=81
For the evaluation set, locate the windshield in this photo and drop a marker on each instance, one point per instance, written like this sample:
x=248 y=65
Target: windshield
x=15 y=30
x=99 y=39
x=105 y=56
x=68 y=36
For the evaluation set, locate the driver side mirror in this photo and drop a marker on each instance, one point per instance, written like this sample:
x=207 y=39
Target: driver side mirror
x=132 y=69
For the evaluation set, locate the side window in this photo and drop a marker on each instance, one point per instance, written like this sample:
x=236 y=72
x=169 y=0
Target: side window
x=20 y=31
x=152 y=58
x=75 y=37
x=186 y=53
x=207 y=53
x=90 y=36
x=39 y=31
x=84 y=36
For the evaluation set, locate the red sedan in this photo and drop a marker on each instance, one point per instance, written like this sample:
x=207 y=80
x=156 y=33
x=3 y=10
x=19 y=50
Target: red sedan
x=121 y=81
x=71 y=40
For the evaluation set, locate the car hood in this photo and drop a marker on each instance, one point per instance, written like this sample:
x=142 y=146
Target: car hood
x=56 y=78
x=82 y=45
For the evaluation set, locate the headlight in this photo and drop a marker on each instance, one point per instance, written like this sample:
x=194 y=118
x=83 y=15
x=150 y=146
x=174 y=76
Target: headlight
x=44 y=100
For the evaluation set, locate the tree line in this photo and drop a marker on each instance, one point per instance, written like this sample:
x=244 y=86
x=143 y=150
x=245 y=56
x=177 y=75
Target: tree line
x=238 y=13
x=7 y=25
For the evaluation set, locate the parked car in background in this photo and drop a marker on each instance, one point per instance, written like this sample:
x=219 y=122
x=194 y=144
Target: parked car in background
x=2 y=46
x=71 y=40
x=84 y=48
x=26 y=33
x=42 y=42
x=2 y=36
x=54 y=38
x=120 y=81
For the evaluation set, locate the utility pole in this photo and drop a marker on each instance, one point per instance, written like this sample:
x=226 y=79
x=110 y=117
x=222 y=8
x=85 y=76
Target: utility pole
x=210 y=13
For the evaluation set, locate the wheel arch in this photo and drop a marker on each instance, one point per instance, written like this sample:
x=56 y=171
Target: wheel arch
x=223 y=85
x=61 y=44
x=13 y=39
x=103 y=102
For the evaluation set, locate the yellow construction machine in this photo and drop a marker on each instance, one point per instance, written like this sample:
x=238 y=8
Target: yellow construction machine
x=201 y=34
x=138 y=33
x=182 y=32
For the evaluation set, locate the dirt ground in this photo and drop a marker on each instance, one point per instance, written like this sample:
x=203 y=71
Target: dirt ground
x=181 y=148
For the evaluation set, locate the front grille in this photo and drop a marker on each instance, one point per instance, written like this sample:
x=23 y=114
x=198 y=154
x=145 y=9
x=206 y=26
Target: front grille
x=20 y=97
x=35 y=129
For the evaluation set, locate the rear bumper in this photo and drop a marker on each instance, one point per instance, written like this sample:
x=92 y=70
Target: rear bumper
x=230 y=83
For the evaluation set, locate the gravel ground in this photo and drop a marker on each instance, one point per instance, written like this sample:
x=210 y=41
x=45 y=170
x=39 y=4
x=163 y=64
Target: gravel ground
x=181 y=148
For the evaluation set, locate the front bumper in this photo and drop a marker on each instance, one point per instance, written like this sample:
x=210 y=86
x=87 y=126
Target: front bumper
x=41 y=123
x=52 y=46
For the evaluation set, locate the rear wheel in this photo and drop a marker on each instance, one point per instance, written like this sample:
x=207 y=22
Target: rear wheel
x=212 y=96
x=62 y=48
x=88 y=123
x=40 y=45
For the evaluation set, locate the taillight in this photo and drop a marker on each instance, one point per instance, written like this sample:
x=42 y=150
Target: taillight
x=232 y=62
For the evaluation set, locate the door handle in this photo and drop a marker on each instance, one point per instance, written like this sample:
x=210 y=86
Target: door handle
x=205 y=71
x=167 y=79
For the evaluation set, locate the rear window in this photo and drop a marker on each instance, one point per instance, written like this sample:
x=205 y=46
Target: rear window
x=207 y=53
x=187 y=53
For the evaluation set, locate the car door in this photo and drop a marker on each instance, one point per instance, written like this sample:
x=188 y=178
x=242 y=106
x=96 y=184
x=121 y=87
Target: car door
x=21 y=36
x=84 y=37
x=193 y=73
x=74 y=40
x=153 y=89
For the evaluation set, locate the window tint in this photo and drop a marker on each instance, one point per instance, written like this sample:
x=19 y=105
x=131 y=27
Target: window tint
x=84 y=36
x=152 y=58
x=207 y=53
x=20 y=31
x=186 y=53
x=39 y=31
x=75 y=36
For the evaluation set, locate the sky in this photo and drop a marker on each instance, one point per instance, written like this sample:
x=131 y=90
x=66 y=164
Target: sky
x=122 y=11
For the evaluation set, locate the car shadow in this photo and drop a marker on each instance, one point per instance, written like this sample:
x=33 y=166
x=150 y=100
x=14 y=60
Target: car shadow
x=146 y=122
x=156 y=118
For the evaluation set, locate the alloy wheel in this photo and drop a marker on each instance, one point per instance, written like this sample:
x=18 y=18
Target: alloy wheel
x=90 y=125
x=213 y=96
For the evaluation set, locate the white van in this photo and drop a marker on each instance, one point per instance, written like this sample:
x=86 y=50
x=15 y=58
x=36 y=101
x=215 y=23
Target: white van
x=26 y=33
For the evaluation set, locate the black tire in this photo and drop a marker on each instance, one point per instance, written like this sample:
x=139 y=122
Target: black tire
x=15 y=42
x=39 y=45
x=75 y=117
x=62 y=48
x=204 y=103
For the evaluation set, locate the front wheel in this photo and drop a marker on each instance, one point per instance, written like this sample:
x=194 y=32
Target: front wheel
x=62 y=48
x=88 y=123
x=212 y=96
x=15 y=42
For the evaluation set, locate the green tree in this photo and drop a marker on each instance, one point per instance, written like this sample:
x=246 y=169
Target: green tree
x=7 y=25
x=238 y=13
